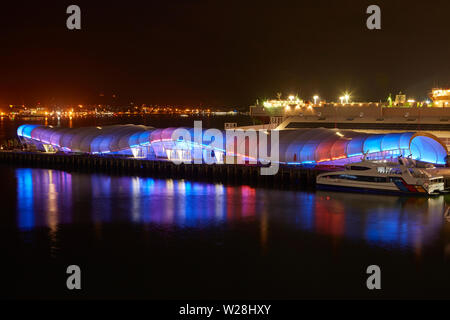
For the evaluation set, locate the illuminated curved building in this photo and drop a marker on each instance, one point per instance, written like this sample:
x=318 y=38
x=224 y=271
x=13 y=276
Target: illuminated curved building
x=296 y=147
x=129 y=140
x=333 y=146
x=120 y=139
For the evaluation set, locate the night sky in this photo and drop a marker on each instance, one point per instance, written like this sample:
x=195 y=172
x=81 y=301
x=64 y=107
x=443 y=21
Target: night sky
x=220 y=53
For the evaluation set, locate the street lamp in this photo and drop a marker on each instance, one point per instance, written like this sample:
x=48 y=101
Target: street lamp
x=347 y=98
x=342 y=99
x=315 y=99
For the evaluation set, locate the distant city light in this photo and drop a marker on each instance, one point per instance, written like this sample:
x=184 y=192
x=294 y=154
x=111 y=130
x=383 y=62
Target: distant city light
x=315 y=99
x=440 y=92
x=347 y=98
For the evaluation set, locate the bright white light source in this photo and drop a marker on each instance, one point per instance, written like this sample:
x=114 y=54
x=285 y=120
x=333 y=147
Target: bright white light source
x=347 y=98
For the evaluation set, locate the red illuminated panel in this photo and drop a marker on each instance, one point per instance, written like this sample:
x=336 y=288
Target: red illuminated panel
x=339 y=149
x=323 y=150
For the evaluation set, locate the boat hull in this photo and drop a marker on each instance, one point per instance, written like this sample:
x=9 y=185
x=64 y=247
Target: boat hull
x=368 y=190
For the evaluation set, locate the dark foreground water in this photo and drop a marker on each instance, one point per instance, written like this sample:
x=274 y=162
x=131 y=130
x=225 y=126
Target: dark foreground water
x=138 y=237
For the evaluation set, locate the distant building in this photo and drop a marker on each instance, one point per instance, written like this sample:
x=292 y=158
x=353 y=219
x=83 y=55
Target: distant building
x=400 y=99
x=440 y=97
x=16 y=109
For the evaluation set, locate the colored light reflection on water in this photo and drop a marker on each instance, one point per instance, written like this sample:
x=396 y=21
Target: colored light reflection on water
x=25 y=205
x=50 y=198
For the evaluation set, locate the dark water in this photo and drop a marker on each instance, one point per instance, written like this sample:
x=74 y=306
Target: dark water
x=138 y=237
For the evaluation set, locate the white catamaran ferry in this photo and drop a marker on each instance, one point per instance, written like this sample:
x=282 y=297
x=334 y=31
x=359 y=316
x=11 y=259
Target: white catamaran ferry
x=382 y=177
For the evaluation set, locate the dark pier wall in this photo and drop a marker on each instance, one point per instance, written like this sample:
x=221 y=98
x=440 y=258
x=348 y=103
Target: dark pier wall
x=287 y=176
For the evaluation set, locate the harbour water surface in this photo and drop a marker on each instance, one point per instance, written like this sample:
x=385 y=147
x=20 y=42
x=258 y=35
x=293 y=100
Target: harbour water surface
x=139 y=237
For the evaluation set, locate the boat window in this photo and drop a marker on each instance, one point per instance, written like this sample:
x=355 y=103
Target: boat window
x=348 y=177
x=372 y=179
x=363 y=178
x=359 y=168
x=358 y=178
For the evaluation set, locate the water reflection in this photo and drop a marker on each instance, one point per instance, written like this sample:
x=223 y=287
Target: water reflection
x=43 y=198
x=25 y=196
x=49 y=198
x=387 y=220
